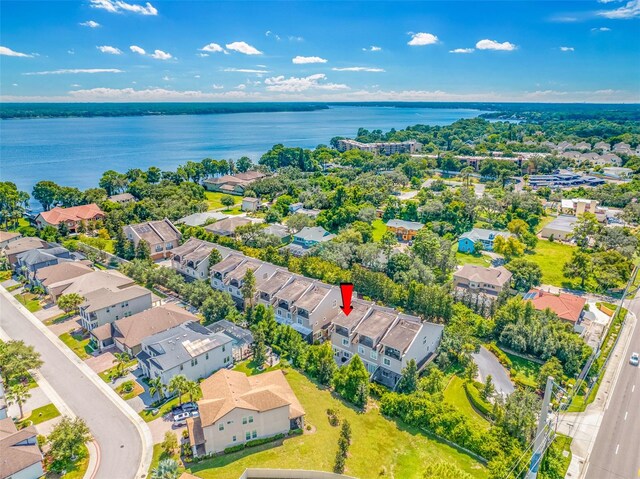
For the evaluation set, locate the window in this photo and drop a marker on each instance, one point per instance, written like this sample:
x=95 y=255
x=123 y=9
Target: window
x=221 y=427
x=345 y=342
x=374 y=354
x=386 y=362
x=224 y=348
x=181 y=367
x=335 y=303
x=158 y=248
x=299 y=320
x=244 y=420
x=194 y=362
x=206 y=356
x=254 y=434
x=361 y=349
x=250 y=419
x=234 y=439
x=247 y=435
x=424 y=340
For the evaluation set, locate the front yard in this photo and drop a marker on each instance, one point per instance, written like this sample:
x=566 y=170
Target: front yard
x=77 y=343
x=214 y=200
x=39 y=415
x=29 y=301
x=379 y=446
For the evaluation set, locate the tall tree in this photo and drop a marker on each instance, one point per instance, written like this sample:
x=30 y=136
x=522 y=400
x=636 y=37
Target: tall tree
x=408 y=382
x=525 y=274
x=179 y=384
x=18 y=394
x=579 y=266
x=352 y=382
x=66 y=443
x=17 y=359
x=70 y=302
x=156 y=386
x=248 y=287
x=142 y=250
x=46 y=192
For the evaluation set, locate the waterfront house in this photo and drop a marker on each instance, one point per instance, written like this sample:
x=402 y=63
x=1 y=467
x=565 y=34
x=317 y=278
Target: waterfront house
x=127 y=333
x=73 y=217
x=466 y=243
x=236 y=408
x=404 y=230
x=480 y=280
x=189 y=349
x=161 y=236
x=232 y=184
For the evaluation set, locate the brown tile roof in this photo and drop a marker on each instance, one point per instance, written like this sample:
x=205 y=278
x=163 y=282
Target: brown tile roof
x=226 y=390
x=479 y=274
x=8 y=235
x=132 y=330
x=566 y=306
x=196 y=434
x=15 y=458
x=24 y=244
x=154 y=232
x=193 y=249
x=76 y=213
x=61 y=272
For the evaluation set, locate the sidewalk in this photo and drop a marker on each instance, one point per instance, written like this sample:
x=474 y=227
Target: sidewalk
x=583 y=427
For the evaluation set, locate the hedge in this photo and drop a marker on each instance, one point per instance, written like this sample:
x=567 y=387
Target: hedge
x=502 y=357
x=473 y=395
x=253 y=443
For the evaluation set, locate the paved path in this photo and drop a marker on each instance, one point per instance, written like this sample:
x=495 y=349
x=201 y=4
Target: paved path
x=488 y=364
x=123 y=438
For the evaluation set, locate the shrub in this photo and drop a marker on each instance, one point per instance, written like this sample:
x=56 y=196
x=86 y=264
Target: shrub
x=264 y=440
x=232 y=449
x=377 y=390
x=483 y=407
x=502 y=357
x=334 y=420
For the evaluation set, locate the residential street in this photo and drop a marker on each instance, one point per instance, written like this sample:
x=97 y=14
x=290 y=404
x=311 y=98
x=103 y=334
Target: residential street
x=616 y=452
x=120 y=443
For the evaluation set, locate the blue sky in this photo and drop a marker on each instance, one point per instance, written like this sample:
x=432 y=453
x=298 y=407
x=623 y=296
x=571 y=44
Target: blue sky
x=117 y=50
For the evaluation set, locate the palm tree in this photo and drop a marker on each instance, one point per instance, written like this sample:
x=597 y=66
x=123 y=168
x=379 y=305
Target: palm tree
x=18 y=394
x=121 y=359
x=167 y=469
x=156 y=386
x=193 y=390
x=179 y=384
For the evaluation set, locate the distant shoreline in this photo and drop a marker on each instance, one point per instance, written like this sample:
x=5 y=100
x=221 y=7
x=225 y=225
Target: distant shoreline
x=9 y=111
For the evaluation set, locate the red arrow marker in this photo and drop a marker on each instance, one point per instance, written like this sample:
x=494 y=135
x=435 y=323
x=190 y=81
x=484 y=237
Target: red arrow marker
x=346 y=290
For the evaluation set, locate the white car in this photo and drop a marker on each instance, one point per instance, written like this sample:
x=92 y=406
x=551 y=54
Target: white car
x=180 y=416
x=635 y=359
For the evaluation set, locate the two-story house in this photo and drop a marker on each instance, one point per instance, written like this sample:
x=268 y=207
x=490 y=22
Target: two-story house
x=467 y=241
x=161 y=236
x=313 y=311
x=384 y=339
x=404 y=230
x=236 y=408
x=13 y=249
x=31 y=261
x=72 y=217
x=106 y=305
x=192 y=258
x=56 y=273
x=20 y=455
x=308 y=237
x=480 y=280
x=189 y=349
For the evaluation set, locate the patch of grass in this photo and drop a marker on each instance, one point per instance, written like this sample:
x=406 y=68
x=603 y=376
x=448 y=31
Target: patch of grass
x=379 y=229
x=214 y=199
x=455 y=395
x=379 y=446
x=40 y=415
x=148 y=416
x=27 y=380
x=5 y=275
x=14 y=287
x=544 y=222
x=105 y=375
x=526 y=370
x=468 y=258
x=562 y=443
x=159 y=455
x=551 y=257
x=59 y=319
x=78 y=344
x=250 y=368
x=136 y=391
x=29 y=301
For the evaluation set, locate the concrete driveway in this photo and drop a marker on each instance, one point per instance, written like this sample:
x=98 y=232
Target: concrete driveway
x=488 y=364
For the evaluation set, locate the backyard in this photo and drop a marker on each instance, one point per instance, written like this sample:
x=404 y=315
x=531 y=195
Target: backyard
x=214 y=200
x=378 y=229
x=398 y=450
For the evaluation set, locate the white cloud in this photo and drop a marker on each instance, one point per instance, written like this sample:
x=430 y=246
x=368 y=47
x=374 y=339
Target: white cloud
x=75 y=85
x=245 y=70
x=166 y=78
x=303 y=60
x=137 y=49
x=243 y=47
x=160 y=55
x=118 y=6
x=601 y=29
x=14 y=84
x=295 y=84
x=71 y=52
x=12 y=53
x=358 y=69
x=212 y=47
x=293 y=38
x=372 y=48
x=493 y=45
x=90 y=24
x=152 y=94
x=110 y=50
x=241 y=86
x=567 y=49
x=463 y=50
x=269 y=33
x=630 y=10
x=420 y=39
x=203 y=55
x=217 y=87
x=76 y=70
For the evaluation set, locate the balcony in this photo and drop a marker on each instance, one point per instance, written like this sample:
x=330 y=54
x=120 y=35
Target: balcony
x=283 y=305
x=265 y=297
x=342 y=331
x=392 y=353
x=366 y=341
x=303 y=313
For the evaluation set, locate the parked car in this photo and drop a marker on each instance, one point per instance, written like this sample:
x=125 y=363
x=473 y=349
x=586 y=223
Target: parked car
x=178 y=424
x=635 y=359
x=181 y=416
x=189 y=407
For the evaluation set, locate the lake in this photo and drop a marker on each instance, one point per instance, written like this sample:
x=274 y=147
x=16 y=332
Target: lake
x=76 y=151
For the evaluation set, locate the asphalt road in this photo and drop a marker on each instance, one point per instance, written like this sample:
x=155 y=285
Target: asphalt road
x=616 y=452
x=488 y=364
x=119 y=442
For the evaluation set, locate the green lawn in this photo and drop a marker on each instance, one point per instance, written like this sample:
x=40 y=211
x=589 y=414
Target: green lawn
x=40 y=415
x=136 y=391
x=455 y=395
x=27 y=380
x=148 y=416
x=29 y=301
x=5 y=275
x=467 y=258
x=108 y=372
x=526 y=371
x=551 y=257
x=214 y=199
x=378 y=229
x=159 y=455
x=379 y=446
x=77 y=344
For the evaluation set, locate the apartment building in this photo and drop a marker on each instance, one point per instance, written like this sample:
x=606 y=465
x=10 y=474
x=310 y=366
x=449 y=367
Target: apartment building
x=380 y=148
x=192 y=258
x=189 y=349
x=385 y=340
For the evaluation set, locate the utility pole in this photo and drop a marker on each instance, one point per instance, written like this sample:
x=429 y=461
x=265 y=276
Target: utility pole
x=540 y=441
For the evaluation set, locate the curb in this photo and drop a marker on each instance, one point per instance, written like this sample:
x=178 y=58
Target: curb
x=141 y=426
